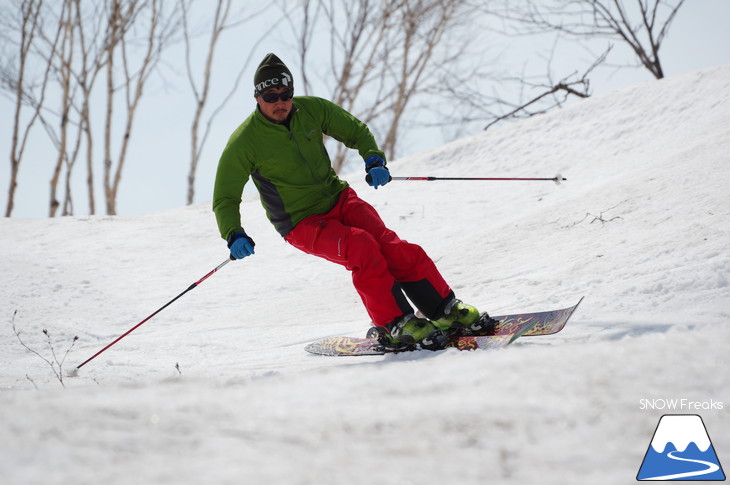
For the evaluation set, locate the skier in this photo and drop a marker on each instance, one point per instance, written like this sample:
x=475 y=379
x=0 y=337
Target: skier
x=280 y=146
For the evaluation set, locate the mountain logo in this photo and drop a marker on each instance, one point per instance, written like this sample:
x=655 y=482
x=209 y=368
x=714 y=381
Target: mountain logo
x=285 y=78
x=681 y=450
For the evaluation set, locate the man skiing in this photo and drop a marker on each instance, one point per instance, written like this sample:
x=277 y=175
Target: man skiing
x=280 y=146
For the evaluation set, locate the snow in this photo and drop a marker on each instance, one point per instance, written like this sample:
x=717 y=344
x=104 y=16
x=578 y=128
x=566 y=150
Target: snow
x=680 y=431
x=218 y=389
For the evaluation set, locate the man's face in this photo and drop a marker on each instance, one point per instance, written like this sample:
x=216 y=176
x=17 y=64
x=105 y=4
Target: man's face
x=277 y=111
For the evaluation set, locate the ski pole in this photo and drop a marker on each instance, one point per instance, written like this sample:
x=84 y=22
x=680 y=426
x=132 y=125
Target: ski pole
x=76 y=370
x=557 y=179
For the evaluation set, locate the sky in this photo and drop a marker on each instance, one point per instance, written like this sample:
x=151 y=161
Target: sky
x=155 y=175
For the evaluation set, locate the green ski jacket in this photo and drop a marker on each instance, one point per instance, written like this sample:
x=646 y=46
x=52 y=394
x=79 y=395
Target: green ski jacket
x=289 y=165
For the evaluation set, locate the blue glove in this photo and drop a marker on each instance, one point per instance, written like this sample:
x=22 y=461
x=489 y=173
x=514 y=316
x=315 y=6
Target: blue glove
x=378 y=174
x=240 y=245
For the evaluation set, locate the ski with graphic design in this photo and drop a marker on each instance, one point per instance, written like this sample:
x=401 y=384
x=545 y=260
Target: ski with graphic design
x=509 y=329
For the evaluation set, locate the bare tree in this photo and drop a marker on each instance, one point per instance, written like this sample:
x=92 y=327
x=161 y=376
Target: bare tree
x=381 y=56
x=201 y=94
x=357 y=30
x=63 y=70
x=157 y=28
x=75 y=64
x=14 y=79
x=305 y=28
x=642 y=26
x=422 y=24
x=555 y=93
x=222 y=20
x=90 y=65
x=77 y=42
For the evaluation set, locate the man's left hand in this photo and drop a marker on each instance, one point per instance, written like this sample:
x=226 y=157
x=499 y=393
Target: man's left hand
x=378 y=174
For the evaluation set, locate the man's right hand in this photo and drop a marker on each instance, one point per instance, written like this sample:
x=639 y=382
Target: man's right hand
x=241 y=245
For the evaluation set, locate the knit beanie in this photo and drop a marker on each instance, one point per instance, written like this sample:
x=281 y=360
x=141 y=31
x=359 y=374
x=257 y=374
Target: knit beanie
x=272 y=73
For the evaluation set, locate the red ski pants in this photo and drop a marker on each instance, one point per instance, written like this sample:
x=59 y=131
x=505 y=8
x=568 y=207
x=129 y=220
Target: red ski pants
x=383 y=266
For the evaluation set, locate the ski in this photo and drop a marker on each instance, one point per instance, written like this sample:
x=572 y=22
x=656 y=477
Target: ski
x=509 y=329
x=546 y=323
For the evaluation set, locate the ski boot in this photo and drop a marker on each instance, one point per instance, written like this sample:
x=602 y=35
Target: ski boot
x=408 y=333
x=460 y=319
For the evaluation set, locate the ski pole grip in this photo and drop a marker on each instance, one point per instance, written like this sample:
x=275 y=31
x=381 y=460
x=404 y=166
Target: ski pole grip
x=369 y=178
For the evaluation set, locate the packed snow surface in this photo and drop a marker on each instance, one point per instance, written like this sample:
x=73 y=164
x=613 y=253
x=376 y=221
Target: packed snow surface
x=217 y=388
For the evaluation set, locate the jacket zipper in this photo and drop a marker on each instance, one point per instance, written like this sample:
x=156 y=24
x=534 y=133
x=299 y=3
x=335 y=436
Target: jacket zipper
x=322 y=184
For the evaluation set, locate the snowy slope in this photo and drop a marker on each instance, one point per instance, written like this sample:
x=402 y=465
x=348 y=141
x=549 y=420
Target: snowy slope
x=640 y=228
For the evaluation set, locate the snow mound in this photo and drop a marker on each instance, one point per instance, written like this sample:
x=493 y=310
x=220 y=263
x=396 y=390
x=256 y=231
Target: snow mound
x=217 y=387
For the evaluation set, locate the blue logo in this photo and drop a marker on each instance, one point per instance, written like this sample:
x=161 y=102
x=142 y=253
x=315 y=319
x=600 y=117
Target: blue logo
x=681 y=450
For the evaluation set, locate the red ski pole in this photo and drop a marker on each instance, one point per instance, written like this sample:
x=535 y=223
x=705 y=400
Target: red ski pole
x=76 y=370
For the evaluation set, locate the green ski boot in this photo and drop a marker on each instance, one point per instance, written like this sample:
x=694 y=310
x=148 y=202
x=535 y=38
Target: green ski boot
x=408 y=332
x=462 y=319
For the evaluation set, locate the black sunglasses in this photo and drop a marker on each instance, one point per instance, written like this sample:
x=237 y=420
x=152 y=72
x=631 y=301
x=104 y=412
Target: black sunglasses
x=274 y=97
